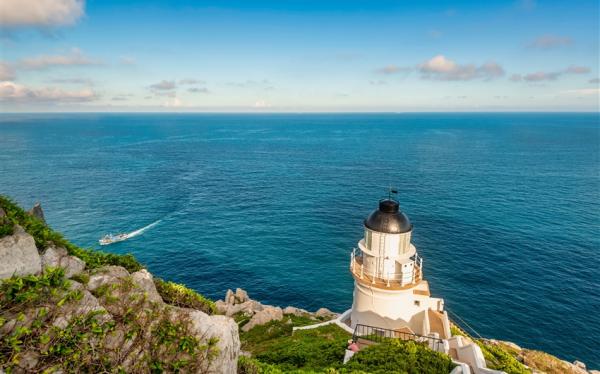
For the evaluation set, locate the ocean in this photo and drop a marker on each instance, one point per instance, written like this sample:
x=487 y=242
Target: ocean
x=505 y=207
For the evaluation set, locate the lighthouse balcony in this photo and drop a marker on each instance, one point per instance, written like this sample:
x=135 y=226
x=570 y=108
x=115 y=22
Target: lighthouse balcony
x=364 y=269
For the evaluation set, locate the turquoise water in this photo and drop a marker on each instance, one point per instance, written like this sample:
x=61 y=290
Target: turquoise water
x=505 y=207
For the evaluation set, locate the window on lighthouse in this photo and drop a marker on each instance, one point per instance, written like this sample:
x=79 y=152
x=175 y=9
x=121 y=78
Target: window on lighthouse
x=368 y=238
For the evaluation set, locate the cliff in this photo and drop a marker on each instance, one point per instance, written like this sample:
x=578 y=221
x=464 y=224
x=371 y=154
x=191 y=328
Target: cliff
x=67 y=309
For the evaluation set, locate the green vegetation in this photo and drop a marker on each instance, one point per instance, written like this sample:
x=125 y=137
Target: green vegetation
x=397 y=356
x=34 y=339
x=181 y=296
x=45 y=236
x=496 y=357
x=276 y=350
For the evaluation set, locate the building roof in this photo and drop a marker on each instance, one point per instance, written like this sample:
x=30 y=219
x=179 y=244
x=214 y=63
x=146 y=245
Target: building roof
x=388 y=218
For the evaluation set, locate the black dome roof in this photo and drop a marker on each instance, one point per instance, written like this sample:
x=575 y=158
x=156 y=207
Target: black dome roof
x=388 y=218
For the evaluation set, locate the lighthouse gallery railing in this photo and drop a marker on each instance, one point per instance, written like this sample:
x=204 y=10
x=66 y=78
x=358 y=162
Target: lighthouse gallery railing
x=388 y=279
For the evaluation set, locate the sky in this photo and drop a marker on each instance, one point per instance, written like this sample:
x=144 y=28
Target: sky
x=298 y=56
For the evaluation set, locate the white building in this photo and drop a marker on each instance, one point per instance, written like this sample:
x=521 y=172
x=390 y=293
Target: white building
x=390 y=291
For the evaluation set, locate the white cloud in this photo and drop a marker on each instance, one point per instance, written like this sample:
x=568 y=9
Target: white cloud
x=442 y=68
x=516 y=78
x=573 y=69
x=198 y=90
x=163 y=85
x=191 y=81
x=6 y=72
x=15 y=13
x=540 y=76
x=173 y=103
x=10 y=91
x=74 y=58
x=550 y=41
x=261 y=104
x=84 y=81
x=392 y=69
x=583 y=92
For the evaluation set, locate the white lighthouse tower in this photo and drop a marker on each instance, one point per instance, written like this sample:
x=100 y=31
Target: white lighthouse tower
x=389 y=289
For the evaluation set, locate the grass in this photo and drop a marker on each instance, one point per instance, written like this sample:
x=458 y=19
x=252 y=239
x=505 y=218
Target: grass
x=276 y=350
x=496 y=357
x=181 y=296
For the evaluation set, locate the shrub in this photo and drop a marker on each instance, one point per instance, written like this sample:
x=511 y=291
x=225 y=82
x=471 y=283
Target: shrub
x=181 y=296
x=248 y=365
x=397 y=356
x=498 y=358
x=315 y=349
x=17 y=293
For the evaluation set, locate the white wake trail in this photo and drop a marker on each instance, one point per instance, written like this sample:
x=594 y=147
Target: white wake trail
x=141 y=231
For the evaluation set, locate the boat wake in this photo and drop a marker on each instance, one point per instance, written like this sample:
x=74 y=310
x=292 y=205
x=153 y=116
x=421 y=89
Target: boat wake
x=141 y=231
x=110 y=238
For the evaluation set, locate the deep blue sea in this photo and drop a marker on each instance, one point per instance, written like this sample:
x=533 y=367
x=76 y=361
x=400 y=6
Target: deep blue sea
x=505 y=207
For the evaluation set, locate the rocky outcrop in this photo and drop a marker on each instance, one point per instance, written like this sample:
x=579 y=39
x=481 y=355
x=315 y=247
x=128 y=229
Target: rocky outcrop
x=540 y=362
x=239 y=302
x=267 y=314
x=19 y=255
x=127 y=302
x=58 y=257
x=37 y=212
x=325 y=313
x=226 y=331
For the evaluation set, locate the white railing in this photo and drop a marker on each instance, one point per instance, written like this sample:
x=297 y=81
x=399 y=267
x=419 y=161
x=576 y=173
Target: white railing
x=389 y=279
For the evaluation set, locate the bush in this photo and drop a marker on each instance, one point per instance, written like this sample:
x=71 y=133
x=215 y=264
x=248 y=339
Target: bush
x=499 y=359
x=397 y=356
x=45 y=236
x=21 y=292
x=181 y=296
x=274 y=345
x=248 y=365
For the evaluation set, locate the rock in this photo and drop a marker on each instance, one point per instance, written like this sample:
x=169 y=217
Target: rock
x=2 y=213
x=58 y=257
x=268 y=314
x=221 y=306
x=19 y=255
x=143 y=280
x=295 y=311
x=106 y=275
x=594 y=371
x=226 y=330
x=88 y=303
x=37 y=212
x=324 y=312
x=28 y=360
x=579 y=364
x=230 y=297
x=241 y=296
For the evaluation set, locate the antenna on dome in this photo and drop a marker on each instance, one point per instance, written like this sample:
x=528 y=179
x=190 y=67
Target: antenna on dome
x=392 y=191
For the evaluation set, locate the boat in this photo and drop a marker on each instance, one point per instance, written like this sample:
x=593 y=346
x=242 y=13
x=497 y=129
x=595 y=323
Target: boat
x=110 y=238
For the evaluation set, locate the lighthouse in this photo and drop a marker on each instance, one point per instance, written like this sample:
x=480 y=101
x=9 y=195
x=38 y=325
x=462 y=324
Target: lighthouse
x=390 y=291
